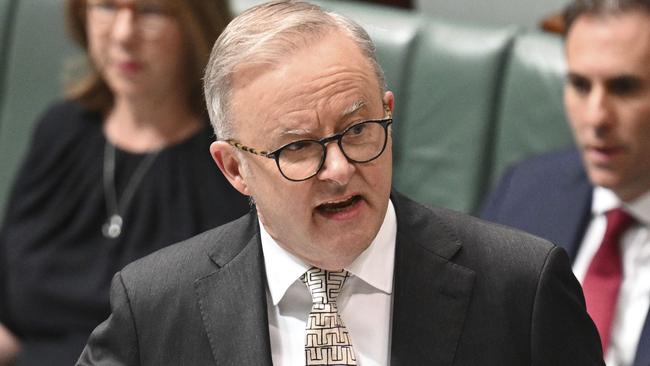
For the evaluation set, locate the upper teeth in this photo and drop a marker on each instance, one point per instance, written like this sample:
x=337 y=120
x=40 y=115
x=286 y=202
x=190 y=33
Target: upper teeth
x=339 y=202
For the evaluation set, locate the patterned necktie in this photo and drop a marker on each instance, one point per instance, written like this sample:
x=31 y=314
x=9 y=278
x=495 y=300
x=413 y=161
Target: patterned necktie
x=327 y=341
x=605 y=273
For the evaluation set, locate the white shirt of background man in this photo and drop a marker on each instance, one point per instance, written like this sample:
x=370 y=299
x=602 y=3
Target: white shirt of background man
x=634 y=295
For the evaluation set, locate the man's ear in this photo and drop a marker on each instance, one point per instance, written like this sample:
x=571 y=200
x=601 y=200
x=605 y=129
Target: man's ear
x=389 y=100
x=228 y=162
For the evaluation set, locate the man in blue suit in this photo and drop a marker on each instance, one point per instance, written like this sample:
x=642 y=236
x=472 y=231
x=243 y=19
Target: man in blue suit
x=566 y=196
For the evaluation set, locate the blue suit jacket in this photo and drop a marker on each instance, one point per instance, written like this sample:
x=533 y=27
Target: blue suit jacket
x=550 y=196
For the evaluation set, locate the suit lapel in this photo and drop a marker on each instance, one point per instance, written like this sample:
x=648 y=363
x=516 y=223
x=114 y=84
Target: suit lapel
x=232 y=300
x=431 y=294
x=642 y=357
x=572 y=219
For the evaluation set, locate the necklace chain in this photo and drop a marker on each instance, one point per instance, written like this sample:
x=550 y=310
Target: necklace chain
x=115 y=208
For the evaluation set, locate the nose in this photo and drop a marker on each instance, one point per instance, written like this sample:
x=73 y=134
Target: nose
x=598 y=113
x=123 y=29
x=336 y=167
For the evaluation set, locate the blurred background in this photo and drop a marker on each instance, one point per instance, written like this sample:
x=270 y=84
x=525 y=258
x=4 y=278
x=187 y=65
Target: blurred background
x=526 y=13
x=487 y=40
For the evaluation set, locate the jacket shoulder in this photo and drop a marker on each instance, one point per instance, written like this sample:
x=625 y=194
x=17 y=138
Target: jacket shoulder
x=554 y=165
x=474 y=235
x=184 y=262
x=482 y=235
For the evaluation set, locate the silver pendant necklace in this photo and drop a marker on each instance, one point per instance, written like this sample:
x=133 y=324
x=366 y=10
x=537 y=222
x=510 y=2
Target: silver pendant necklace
x=115 y=208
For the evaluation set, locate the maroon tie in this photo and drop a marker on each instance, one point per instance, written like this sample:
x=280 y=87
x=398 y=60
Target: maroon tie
x=605 y=273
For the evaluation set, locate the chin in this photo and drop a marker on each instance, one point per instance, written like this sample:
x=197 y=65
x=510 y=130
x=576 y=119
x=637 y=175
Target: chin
x=605 y=178
x=342 y=239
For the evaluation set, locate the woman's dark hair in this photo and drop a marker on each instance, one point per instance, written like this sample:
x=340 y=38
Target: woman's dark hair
x=201 y=21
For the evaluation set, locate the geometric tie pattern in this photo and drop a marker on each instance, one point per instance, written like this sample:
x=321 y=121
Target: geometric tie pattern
x=327 y=340
x=605 y=273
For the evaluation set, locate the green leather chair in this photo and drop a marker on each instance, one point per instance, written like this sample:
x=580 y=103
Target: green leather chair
x=531 y=116
x=37 y=52
x=6 y=10
x=450 y=112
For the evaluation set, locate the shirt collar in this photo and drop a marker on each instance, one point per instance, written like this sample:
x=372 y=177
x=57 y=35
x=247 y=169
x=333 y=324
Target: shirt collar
x=374 y=265
x=282 y=267
x=605 y=200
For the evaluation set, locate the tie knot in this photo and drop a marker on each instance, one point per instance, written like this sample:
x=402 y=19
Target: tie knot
x=618 y=221
x=323 y=285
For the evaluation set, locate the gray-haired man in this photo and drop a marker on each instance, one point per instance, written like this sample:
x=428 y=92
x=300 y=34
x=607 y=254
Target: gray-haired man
x=332 y=268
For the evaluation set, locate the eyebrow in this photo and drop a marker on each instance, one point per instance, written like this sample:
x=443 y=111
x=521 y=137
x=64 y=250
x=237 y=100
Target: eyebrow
x=351 y=110
x=572 y=75
x=354 y=108
x=298 y=132
x=633 y=81
x=624 y=78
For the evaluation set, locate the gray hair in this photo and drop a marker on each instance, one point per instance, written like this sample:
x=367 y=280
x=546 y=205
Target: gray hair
x=265 y=35
x=602 y=7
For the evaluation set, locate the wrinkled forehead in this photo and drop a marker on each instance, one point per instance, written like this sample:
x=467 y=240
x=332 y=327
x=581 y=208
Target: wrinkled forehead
x=282 y=51
x=313 y=85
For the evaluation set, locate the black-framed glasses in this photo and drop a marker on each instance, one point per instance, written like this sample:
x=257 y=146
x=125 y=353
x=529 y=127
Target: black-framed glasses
x=300 y=160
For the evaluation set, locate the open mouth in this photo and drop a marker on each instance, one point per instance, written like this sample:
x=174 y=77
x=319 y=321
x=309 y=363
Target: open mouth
x=335 y=207
x=604 y=152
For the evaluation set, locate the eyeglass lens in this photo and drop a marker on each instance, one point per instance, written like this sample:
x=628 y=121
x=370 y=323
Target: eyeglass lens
x=150 y=17
x=360 y=143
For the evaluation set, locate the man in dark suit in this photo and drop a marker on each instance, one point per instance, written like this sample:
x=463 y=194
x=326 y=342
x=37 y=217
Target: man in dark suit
x=571 y=197
x=331 y=267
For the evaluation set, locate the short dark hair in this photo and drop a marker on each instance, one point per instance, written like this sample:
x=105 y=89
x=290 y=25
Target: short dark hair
x=202 y=22
x=580 y=7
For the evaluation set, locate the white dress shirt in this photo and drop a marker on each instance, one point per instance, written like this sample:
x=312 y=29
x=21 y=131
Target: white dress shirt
x=634 y=294
x=364 y=304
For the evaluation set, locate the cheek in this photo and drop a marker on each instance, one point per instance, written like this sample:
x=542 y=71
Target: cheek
x=638 y=120
x=172 y=62
x=96 y=48
x=381 y=172
x=285 y=198
x=574 y=113
x=172 y=52
x=286 y=210
x=640 y=136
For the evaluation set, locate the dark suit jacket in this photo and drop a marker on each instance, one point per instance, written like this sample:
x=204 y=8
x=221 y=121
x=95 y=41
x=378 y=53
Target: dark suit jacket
x=466 y=293
x=550 y=196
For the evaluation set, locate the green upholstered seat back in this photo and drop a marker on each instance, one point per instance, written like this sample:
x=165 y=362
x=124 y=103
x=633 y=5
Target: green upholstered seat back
x=450 y=112
x=446 y=78
x=531 y=117
x=6 y=19
x=5 y=10
x=36 y=52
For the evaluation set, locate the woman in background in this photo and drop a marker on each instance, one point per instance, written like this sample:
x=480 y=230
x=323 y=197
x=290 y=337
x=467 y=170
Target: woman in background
x=115 y=172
